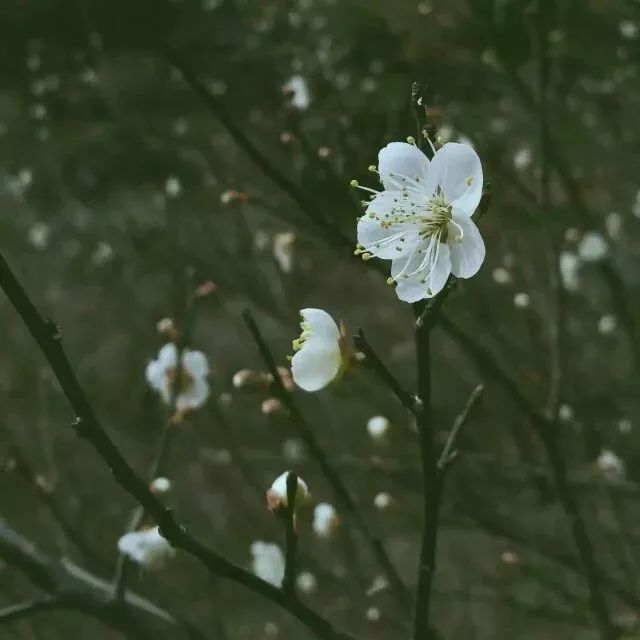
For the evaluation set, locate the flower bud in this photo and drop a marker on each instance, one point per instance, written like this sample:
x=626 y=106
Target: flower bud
x=166 y=327
x=277 y=500
x=382 y=501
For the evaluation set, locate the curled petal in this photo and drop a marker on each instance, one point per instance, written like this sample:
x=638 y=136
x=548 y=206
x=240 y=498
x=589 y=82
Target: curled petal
x=457 y=169
x=400 y=159
x=315 y=365
x=168 y=355
x=320 y=326
x=468 y=255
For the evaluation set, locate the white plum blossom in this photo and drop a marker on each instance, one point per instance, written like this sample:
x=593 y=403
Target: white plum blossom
x=298 y=88
x=569 y=266
x=610 y=465
x=383 y=500
x=565 y=412
x=521 y=300
x=522 y=158
x=193 y=388
x=325 y=520
x=628 y=29
x=173 y=187
x=592 y=247
x=268 y=562
x=277 y=494
x=421 y=221
x=607 y=324
x=146 y=547
x=38 y=235
x=377 y=427
x=501 y=275
x=320 y=351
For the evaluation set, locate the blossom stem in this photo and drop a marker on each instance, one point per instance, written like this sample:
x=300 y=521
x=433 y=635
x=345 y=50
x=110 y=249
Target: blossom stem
x=407 y=399
x=291 y=537
x=87 y=426
x=332 y=475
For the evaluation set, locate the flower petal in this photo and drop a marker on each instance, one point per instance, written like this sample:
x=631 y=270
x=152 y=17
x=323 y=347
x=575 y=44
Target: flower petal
x=412 y=288
x=195 y=362
x=168 y=355
x=401 y=159
x=387 y=242
x=315 y=365
x=155 y=374
x=321 y=326
x=466 y=256
x=195 y=395
x=458 y=171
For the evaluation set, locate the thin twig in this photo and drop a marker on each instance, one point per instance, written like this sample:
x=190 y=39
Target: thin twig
x=330 y=472
x=291 y=537
x=448 y=452
x=411 y=402
x=48 y=337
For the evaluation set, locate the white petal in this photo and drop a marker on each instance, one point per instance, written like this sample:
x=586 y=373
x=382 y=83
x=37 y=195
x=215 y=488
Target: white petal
x=195 y=396
x=130 y=545
x=195 y=362
x=466 y=256
x=402 y=159
x=458 y=171
x=155 y=374
x=315 y=366
x=411 y=288
x=390 y=242
x=168 y=355
x=321 y=325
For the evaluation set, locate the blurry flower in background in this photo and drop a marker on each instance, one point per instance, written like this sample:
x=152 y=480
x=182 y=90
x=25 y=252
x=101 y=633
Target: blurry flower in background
x=146 y=547
x=325 y=520
x=193 y=389
x=500 y=275
x=628 y=29
x=271 y=406
x=421 y=221
x=293 y=449
x=592 y=247
x=297 y=89
x=607 y=324
x=522 y=158
x=611 y=466
x=613 y=224
x=569 y=265
x=320 y=351
x=160 y=485
x=277 y=494
x=521 y=300
x=268 y=562
x=283 y=250
x=383 y=500
x=39 y=235
x=377 y=427
x=306 y=582
x=565 y=413
x=173 y=187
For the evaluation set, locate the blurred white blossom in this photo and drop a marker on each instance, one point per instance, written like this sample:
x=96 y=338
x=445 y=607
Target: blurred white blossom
x=565 y=412
x=628 y=29
x=611 y=465
x=569 y=266
x=592 y=247
x=298 y=90
x=607 y=324
x=319 y=351
x=377 y=427
x=613 y=224
x=160 y=485
x=146 y=547
x=325 y=520
x=383 y=500
x=306 y=582
x=173 y=187
x=500 y=275
x=268 y=562
x=39 y=235
x=521 y=300
x=193 y=388
x=522 y=158
x=421 y=221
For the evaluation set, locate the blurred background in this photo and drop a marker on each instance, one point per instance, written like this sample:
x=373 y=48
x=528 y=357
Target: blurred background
x=149 y=147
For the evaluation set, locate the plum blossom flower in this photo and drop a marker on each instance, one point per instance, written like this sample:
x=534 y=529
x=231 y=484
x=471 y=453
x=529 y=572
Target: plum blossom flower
x=268 y=562
x=297 y=89
x=377 y=427
x=421 y=220
x=146 y=547
x=611 y=466
x=193 y=388
x=321 y=352
x=592 y=247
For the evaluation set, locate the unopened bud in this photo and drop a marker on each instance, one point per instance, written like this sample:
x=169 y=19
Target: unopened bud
x=277 y=500
x=167 y=327
x=382 y=501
